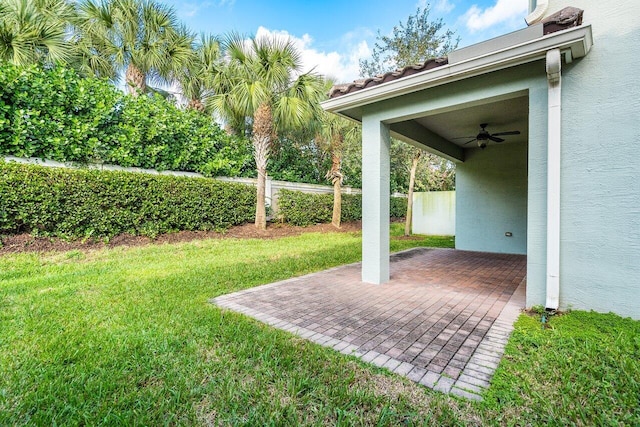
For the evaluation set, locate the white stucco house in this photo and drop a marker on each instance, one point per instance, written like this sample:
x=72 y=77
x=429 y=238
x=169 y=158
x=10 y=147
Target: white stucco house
x=563 y=187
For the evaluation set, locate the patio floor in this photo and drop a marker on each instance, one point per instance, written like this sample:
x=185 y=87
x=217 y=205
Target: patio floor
x=442 y=321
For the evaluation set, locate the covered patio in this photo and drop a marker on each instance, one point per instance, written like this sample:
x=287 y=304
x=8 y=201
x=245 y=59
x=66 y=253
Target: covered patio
x=495 y=109
x=442 y=320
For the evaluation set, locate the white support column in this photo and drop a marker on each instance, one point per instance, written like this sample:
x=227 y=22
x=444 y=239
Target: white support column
x=553 y=178
x=375 y=201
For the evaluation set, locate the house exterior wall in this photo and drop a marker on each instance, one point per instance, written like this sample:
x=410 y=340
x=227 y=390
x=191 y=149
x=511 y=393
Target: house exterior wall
x=491 y=187
x=600 y=189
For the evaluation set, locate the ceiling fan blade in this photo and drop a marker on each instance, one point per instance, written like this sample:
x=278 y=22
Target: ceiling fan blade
x=511 y=132
x=464 y=137
x=469 y=142
x=494 y=139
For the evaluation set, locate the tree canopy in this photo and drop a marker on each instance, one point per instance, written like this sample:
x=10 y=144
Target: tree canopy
x=410 y=42
x=35 y=31
x=143 y=38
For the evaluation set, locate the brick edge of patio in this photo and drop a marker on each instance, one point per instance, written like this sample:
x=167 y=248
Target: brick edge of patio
x=475 y=377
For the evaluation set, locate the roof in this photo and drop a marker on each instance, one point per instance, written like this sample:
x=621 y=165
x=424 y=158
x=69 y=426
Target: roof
x=566 y=18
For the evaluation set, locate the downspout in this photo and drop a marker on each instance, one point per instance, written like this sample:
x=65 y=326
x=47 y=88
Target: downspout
x=537 y=14
x=553 y=178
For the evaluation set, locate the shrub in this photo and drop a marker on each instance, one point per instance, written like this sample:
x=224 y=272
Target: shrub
x=398 y=207
x=56 y=114
x=92 y=203
x=298 y=208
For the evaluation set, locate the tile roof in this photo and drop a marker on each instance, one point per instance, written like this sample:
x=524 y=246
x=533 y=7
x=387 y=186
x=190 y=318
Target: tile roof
x=566 y=18
x=343 y=89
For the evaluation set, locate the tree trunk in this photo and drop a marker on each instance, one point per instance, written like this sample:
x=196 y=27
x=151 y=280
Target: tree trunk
x=335 y=175
x=136 y=80
x=261 y=210
x=412 y=180
x=262 y=133
x=196 y=104
x=337 y=201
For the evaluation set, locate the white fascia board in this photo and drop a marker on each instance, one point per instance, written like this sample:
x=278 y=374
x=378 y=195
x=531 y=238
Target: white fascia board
x=577 y=40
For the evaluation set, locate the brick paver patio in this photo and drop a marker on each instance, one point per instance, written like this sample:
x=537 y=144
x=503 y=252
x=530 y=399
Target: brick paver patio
x=443 y=320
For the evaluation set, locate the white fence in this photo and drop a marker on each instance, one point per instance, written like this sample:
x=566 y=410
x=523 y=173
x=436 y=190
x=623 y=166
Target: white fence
x=434 y=213
x=271 y=191
x=273 y=187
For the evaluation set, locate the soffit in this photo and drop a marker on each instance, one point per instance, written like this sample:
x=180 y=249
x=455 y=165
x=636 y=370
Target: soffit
x=501 y=116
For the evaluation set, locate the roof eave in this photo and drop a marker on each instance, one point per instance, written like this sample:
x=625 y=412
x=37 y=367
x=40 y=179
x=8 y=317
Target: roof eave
x=575 y=41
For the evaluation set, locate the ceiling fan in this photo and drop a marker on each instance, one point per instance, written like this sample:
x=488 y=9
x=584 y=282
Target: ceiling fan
x=484 y=136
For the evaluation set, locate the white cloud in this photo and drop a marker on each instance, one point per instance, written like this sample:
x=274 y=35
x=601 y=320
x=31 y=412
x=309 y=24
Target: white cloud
x=343 y=67
x=508 y=13
x=441 y=6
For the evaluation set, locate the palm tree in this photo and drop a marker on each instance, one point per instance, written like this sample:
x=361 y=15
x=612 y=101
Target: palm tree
x=333 y=134
x=196 y=77
x=35 y=31
x=260 y=86
x=143 y=38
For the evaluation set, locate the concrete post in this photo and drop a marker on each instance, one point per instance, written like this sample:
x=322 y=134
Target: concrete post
x=375 y=201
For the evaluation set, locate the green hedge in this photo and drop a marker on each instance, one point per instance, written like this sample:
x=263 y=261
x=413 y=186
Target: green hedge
x=398 y=207
x=92 y=203
x=56 y=114
x=298 y=208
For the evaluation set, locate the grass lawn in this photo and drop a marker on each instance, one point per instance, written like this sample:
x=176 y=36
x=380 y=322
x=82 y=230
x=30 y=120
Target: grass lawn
x=126 y=336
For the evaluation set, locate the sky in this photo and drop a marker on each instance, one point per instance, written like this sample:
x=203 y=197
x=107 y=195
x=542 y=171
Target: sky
x=334 y=35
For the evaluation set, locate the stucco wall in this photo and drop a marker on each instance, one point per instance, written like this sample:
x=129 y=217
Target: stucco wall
x=491 y=199
x=600 y=184
x=434 y=213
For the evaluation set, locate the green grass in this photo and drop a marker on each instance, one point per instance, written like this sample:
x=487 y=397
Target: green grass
x=583 y=369
x=126 y=336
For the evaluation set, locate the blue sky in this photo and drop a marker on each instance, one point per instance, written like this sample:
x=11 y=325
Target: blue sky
x=333 y=35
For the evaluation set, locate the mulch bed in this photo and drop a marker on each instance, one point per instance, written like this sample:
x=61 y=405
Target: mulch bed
x=28 y=243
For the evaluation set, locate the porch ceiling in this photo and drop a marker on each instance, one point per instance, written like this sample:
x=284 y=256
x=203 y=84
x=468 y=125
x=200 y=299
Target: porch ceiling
x=445 y=133
x=501 y=116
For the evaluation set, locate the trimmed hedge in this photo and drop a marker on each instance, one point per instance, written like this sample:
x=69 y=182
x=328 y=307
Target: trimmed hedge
x=92 y=203
x=298 y=208
x=398 y=207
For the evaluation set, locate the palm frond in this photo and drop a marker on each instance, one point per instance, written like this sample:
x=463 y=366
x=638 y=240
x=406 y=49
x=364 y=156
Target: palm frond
x=30 y=33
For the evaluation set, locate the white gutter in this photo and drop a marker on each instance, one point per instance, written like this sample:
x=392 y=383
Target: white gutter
x=554 y=122
x=538 y=12
x=576 y=40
